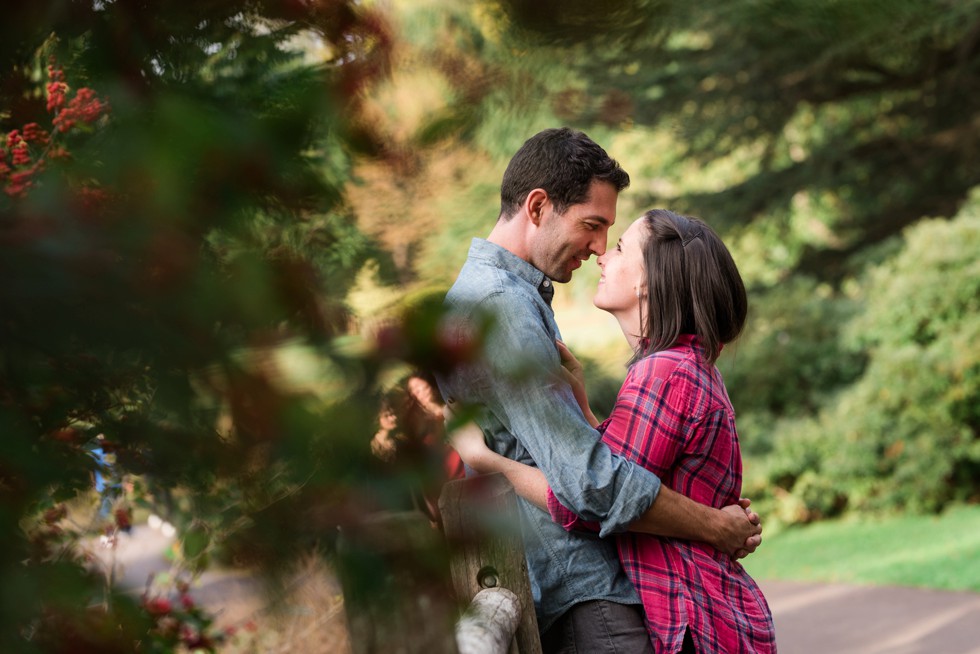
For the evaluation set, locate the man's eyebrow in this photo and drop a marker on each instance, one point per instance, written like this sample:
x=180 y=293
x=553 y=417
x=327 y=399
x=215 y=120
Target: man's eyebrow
x=601 y=219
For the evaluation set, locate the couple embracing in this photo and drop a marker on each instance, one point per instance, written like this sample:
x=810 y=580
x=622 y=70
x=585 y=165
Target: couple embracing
x=632 y=527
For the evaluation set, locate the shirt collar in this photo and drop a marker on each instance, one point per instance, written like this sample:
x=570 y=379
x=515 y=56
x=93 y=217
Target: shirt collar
x=499 y=257
x=691 y=340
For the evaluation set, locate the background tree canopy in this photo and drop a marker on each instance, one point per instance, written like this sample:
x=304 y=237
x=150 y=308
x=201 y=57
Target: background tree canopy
x=812 y=136
x=248 y=185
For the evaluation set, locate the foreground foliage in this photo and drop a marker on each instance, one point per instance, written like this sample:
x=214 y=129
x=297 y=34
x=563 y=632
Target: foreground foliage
x=173 y=225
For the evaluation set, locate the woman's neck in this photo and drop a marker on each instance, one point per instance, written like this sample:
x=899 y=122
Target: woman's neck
x=629 y=323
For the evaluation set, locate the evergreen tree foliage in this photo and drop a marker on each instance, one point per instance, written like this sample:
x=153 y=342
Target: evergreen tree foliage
x=168 y=255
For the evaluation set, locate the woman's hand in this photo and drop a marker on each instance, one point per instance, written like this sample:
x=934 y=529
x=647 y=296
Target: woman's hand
x=468 y=441
x=575 y=376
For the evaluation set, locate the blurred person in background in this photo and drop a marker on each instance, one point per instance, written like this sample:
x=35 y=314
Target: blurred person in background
x=411 y=441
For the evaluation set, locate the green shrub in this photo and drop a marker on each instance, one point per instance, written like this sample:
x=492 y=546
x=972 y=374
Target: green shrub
x=789 y=358
x=906 y=434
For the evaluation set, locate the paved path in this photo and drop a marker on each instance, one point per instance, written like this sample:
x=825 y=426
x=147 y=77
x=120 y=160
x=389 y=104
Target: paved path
x=141 y=555
x=136 y=556
x=810 y=618
x=844 y=619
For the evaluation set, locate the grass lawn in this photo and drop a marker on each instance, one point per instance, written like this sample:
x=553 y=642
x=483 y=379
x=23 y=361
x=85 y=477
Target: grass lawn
x=930 y=551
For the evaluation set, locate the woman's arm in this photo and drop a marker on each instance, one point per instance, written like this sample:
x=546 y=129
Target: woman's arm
x=734 y=529
x=529 y=482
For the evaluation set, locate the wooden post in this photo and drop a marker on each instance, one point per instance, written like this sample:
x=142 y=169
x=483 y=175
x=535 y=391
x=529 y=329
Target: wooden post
x=397 y=591
x=482 y=526
x=489 y=624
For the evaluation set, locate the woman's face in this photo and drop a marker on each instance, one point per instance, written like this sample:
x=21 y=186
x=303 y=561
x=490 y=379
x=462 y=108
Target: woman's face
x=387 y=420
x=424 y=394
x=623 y=275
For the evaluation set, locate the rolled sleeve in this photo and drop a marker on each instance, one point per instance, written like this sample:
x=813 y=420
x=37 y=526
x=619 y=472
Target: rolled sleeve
x=561 y=515
x=538 y=407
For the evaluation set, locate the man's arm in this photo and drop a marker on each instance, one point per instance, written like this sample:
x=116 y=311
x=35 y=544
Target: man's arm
x=537 y=407
x=734 y=529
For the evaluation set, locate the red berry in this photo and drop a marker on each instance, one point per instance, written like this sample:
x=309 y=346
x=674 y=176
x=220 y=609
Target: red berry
x=158 y=606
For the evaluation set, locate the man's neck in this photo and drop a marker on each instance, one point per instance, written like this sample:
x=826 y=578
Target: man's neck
x=512 y=236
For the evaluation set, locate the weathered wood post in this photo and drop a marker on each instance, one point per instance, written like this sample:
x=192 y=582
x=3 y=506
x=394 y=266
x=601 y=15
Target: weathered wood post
x=490 y=622
x=482 y=526
x=397 y=591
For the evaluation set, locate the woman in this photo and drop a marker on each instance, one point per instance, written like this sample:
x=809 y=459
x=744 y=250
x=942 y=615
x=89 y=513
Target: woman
x=678 y=297
x=411 y=444
x=427 y=413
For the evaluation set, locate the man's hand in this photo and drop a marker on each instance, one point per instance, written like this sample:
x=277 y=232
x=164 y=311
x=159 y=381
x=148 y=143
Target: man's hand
x=740 y=530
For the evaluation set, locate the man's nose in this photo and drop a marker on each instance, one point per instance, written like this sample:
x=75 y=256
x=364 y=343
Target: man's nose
x=598 y=245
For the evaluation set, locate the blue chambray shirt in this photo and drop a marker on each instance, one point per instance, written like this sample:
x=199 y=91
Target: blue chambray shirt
x=530 y=415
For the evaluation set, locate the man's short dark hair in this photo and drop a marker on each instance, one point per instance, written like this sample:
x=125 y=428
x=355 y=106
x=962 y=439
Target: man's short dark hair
x=563 y=162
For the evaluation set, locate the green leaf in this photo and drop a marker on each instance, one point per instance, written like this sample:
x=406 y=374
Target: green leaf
x=195 y=541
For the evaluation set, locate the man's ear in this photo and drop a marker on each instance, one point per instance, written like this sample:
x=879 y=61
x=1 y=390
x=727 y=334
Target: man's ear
x=535 y=204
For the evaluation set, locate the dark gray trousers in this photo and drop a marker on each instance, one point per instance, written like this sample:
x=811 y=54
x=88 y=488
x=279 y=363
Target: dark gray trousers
x=598 y=626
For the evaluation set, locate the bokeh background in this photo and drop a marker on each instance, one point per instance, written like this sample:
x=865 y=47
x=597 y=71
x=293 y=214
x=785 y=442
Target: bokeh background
x=225 y=227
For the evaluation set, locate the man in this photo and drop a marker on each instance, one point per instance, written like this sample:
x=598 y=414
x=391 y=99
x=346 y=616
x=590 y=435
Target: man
x=558 y=200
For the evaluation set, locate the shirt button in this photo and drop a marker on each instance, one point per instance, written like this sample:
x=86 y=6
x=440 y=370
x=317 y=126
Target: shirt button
x=546 y=283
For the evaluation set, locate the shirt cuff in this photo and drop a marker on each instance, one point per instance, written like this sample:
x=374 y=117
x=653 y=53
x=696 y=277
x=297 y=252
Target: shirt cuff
x=644 y=486
x=623 y=513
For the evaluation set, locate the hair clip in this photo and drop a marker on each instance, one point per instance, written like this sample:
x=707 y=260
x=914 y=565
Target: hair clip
x=691 y=235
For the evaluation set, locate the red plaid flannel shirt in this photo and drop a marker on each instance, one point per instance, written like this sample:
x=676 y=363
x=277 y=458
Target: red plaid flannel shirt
x=673 y=417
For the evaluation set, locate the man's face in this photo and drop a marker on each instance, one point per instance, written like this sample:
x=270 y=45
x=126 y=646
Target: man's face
x=563 y=241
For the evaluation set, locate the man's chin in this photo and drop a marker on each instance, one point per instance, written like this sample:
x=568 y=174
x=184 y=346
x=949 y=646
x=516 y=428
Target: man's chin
x=563 y=277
